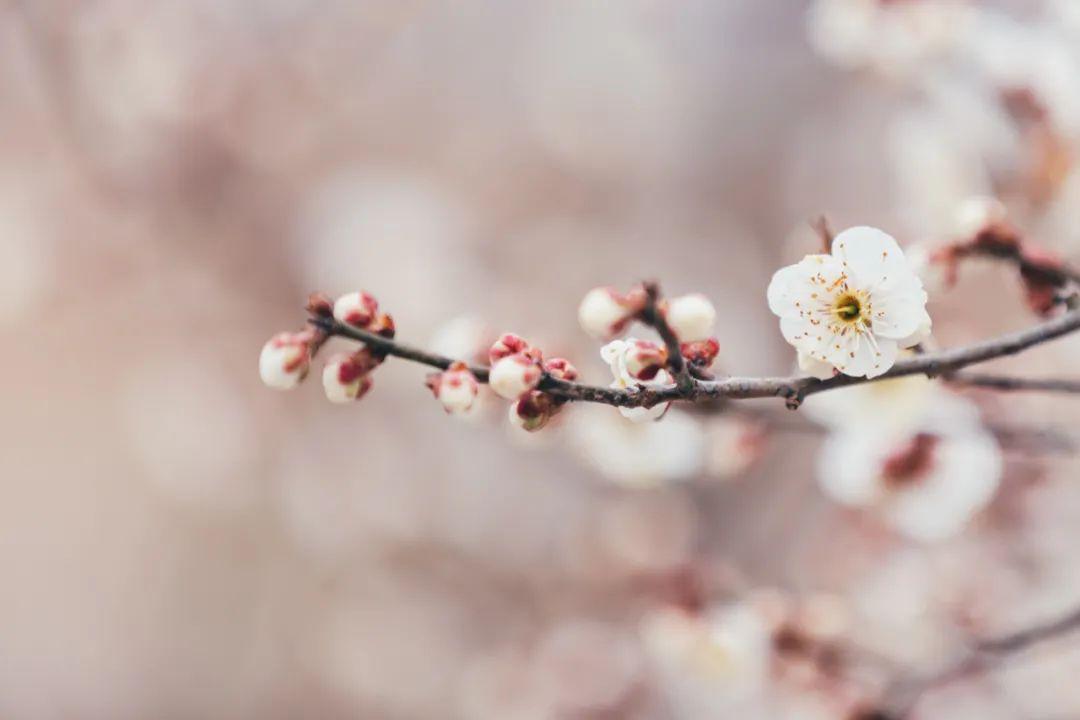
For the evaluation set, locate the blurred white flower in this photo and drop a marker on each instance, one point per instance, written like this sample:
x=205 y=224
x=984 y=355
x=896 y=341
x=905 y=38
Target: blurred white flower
x=692 y=317
x=456 y=388
x=584 y=667
x=465 y=337
x=853 y=309
x=891 y=37
x=927 y=482
x=624 y=355
x=638 y=454
x=732 y=445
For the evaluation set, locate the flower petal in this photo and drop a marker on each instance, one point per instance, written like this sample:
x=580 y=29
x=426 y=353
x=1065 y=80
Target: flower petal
x=870 y=256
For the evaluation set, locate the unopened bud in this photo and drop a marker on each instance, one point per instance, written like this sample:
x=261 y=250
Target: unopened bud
x=346 y=377
x=512 y=376
x=560 y=369
x=358 y=309
x=701 y=353
x=285 y=359
x=531 y=411
x=604 y=313
x=456 y=389
x=320 y=305
x=692 y=317
x=644 y=359
x=508 y=344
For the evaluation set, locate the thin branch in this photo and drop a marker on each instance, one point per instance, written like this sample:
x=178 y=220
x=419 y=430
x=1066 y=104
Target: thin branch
x=652 y=316
x=984 y=653
x=793 y=389
x=1006 y=383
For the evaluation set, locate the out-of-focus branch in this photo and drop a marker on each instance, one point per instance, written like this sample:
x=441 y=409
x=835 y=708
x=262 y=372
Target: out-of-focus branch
x=901 y=699
x=793 y=389
x=1006 y=383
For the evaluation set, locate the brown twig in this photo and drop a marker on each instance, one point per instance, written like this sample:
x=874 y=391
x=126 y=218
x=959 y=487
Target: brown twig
x=1006 y=383
x=652 y=316
x=793 y=389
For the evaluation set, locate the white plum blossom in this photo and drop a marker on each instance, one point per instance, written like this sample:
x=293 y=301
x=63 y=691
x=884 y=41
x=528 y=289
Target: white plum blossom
x=285 y=359
x=927 y=480
x=604 y=313
x=346 y=377
x=692 y=317
x=854 y=309
x=621 y=356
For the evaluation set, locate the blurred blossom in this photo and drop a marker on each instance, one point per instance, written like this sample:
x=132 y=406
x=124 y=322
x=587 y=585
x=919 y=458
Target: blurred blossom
x=733 y=445
x=648 y=531
x=638 y=454
x=585 y=666
x=191 y=431
x=26 y=262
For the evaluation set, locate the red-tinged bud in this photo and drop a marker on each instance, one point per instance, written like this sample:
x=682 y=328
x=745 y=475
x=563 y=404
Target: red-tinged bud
x=319 y=305
x=286 y=358
x=644 y=359
x=383 y=325
x=1041 y=278
x=346 y=377
x=701 y=353
x=358 y=309
x=507 y=345
x=532 y=411
x=561 y=369
x=512 y=376
x=456 y=388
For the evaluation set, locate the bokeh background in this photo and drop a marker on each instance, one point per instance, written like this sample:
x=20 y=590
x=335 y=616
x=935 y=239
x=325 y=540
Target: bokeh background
x=178 y=541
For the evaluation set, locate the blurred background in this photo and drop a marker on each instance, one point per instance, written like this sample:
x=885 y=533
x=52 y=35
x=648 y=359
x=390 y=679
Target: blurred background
x=179 y=541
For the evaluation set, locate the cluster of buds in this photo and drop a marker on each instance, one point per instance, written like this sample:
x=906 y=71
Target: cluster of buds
x=516 y=370
x=983 y=229
x=286 y=358
x=605 y=313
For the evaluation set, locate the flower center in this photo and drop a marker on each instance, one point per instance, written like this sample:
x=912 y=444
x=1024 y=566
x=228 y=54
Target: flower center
x=910 y=462
x=849 y=307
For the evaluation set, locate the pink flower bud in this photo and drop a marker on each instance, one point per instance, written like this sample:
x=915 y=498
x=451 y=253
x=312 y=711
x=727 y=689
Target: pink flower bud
x=560 y=369
x=456 y=389
x=531 y=411
x=604 y=313
x=285 y=359
x=644 y=359
x=701 y=353
x=383 y=324
x=692 y=317
x=512 y=376
x=507 y=345
x=358 y=309
x=319 y=305
x=346 y=377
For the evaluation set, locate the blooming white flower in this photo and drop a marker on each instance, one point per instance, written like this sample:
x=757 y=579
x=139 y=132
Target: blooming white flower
x=345 y=377
x=692 y=317
x=456 y=388
x=638 y=454
x=855 y=308
x=604 y=313
x=621 y=356
x=513 y=376
x=357 y=308
x=285 y=360
x=927 y=479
